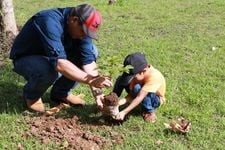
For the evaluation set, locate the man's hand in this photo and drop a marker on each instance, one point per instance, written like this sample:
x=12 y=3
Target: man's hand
x=99 y=103
x=120 y=116
x=101 y=82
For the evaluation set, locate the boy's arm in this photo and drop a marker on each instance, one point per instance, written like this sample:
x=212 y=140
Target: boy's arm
x=137 y=100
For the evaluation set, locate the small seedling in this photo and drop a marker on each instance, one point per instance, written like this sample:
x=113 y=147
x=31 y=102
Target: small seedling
x=112 y=66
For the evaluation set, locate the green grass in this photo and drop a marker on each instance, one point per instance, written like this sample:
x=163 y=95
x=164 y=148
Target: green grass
x=177 y=37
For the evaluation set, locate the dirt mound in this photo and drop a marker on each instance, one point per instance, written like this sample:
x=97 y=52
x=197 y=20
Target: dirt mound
x=111 y=99
x=67 y=133
x=111 y=105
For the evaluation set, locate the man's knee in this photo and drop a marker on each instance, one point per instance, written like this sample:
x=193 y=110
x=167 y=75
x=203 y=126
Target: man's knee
x=48 y=76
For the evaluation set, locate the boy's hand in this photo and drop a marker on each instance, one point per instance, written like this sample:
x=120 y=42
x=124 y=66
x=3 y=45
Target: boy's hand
x=120 y=115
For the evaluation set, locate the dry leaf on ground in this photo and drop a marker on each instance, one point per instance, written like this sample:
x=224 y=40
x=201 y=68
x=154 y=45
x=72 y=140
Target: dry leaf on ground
x=181 y=125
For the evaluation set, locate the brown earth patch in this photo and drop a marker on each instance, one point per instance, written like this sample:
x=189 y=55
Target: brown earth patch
x=68 y=133
x=111 y=99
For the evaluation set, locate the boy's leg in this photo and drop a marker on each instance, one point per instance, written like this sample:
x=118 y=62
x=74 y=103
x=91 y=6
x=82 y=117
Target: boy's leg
x=148 y=105
x=39 y=75
x=150 y=102
x=136 y=89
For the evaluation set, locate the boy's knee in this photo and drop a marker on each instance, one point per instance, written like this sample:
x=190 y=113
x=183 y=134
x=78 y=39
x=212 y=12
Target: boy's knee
x=155 y=100
x=136 y=89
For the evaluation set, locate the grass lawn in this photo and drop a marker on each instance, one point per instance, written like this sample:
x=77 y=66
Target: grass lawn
x=177 y=37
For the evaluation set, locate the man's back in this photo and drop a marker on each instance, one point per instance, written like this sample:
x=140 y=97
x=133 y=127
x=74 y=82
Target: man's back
x=42 y=34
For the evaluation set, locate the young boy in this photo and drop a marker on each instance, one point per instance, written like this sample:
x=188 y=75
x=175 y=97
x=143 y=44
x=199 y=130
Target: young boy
x=144 y=84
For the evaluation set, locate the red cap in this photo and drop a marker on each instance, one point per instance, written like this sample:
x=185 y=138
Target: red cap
x=92 y=24
x=90 y=18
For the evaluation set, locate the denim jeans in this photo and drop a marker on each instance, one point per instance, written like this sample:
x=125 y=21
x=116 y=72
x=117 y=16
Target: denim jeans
x=150 y=102
x=38 y=72
x=40 y=75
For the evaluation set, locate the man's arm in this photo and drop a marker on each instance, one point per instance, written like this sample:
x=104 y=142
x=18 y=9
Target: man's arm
x=72 y=72
x=97 y=92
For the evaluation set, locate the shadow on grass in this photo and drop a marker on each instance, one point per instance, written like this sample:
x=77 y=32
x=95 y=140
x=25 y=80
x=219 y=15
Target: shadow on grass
x=11 y=90
x=90 y=115
x=11 y=100
x=87 y=114
x=168 y=133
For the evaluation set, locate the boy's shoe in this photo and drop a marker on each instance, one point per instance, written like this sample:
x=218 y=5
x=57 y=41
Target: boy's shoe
x=35 y=105
x=149 y=117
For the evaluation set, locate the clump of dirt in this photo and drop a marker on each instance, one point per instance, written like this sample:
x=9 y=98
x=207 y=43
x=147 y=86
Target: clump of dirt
x=67 y=133
x=111 y=108
x=111 y=99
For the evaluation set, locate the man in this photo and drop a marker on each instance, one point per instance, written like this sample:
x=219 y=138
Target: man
x=55 y=48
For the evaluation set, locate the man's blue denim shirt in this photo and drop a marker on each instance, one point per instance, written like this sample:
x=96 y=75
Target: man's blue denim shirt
x=46 y=34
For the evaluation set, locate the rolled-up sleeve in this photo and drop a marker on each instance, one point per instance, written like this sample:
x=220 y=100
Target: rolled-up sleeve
x=51 y=34
x=89 y=51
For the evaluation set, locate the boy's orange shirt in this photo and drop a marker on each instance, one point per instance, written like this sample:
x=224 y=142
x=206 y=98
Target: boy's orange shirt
x=154 y=82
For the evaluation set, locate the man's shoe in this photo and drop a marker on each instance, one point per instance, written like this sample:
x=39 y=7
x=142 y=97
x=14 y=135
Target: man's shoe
x=149 y=117
x=35 y=105
x=73 y=99
x=56 y=109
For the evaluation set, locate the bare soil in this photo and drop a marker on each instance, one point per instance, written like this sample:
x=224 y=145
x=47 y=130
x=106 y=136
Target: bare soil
x=111 y=108
x=111 y=99
x=68 y=133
